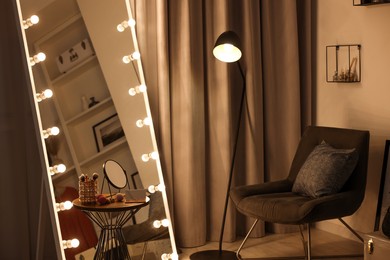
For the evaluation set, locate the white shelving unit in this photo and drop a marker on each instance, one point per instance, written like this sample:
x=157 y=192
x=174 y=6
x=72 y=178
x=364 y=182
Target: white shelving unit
x=78 y=149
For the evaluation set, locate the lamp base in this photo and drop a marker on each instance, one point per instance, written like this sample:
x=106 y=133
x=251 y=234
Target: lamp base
x=213 y=255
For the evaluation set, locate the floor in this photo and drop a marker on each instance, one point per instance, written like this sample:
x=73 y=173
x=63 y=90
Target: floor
x=276 y=246
x=273 y=246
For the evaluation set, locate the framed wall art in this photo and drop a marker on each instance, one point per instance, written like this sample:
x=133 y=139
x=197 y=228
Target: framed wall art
x=108 y=132
x=384 y=189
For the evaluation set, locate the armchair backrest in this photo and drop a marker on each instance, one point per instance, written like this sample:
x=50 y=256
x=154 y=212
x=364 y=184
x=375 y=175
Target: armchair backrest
x=338 y=138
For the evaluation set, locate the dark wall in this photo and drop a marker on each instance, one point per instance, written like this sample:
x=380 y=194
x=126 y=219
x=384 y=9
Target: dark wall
x=22 y=234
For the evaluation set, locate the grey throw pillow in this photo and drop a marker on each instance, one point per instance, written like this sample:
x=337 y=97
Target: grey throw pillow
x=325 y=171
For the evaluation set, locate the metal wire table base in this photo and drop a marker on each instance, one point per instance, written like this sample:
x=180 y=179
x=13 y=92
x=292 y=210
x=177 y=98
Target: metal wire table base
x=112 y=243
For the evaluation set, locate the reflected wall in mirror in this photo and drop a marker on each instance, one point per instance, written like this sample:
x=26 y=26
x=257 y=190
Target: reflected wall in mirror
x=93 y=68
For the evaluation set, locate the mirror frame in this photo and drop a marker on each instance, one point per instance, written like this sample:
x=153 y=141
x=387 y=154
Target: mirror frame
x=47 y=177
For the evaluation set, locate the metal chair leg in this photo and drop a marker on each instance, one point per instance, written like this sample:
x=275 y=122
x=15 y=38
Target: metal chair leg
x=304 y=244
x=246 y=238
x=144 y=250
x=308 y=242
x=352 y=230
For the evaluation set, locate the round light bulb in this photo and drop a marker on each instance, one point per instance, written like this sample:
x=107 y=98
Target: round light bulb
x=132 y=92
x=54 y=130
x=136 y=55
x=68 y=205
x=157 y=223
x=139 y=123
x=34 y=19
x=161 y=187
x=165 y=222
x=41 y=56
x=48 y=93
x=120 y=28
x=61 y=168
x=75 y=242
x=145 y=157
x=131 y=22
x=154 y=155
x=152 y=189
x=126 y=59
x=147 y=121
x=142 y=88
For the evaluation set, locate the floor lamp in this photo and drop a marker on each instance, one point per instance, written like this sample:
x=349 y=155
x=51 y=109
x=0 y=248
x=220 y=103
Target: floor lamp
x=226 y=49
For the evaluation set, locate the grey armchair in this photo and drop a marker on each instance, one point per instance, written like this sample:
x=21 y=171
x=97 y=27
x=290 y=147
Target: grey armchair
x=144 y=231
x=279 y=201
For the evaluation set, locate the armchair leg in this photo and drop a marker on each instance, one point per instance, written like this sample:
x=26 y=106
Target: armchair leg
x=144 y=250
x=308 y=242
x=306 y=245
x=352 y=230
x=246 y=238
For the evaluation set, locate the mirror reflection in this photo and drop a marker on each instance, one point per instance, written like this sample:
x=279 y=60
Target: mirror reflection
x=88 y=73
x=115 y=174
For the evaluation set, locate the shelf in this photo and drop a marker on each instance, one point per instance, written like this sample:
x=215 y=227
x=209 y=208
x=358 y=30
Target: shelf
x=343 y=63
x=74 y=69
x=95 y=109
x=104 y=152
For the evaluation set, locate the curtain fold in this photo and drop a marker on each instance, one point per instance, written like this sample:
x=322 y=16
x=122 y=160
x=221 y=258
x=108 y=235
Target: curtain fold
x=195 y=102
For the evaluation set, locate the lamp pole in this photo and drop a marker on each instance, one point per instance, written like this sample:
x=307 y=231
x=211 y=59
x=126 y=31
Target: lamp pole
x=234 y=155
x=227 y=49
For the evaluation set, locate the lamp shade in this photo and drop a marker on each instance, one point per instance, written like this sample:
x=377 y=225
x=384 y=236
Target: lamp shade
x=227 y=47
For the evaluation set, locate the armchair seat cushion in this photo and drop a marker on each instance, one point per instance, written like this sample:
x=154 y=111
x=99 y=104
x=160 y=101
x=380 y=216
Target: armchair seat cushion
x=292 y=208
x=283 y=207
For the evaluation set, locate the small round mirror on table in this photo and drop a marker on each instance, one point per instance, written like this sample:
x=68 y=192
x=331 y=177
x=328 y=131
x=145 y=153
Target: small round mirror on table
x=115 y=175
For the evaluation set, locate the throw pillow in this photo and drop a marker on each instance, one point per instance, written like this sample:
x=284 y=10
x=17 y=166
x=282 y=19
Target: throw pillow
x=325 y=171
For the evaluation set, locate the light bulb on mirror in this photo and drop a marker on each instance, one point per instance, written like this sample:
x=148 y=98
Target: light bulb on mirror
x=172 y=256
x=72 y=243
x=50 y=131
x=154 y=188
x=59 y=168
x=147 y=157
x=125 y=24
x=143 y=122
x=67 y=205
x=137 y=90
x=161 y=223
x=37 y=58
x=34 y=19
x=47 y=93
x=129 y=58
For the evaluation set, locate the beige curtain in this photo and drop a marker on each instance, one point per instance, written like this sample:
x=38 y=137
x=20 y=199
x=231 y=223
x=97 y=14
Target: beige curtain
x=195 y=101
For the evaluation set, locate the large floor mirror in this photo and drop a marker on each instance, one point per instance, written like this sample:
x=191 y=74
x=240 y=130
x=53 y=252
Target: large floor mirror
x=88 y=82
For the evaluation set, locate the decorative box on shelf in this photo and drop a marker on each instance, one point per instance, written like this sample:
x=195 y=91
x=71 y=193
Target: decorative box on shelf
x=343 y=63
x=74 y=55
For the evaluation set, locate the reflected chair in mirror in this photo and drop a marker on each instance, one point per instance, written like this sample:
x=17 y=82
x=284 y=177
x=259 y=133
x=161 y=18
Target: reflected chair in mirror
x=75 y=224
x=145 y=231
x=115 y=175
x=327 y=180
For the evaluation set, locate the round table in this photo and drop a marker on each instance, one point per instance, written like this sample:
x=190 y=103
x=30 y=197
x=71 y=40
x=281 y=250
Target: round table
x=111 y=218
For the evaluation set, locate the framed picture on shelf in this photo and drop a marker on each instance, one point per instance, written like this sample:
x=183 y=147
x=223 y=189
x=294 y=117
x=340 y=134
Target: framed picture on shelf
x=108 y=132
x=384 y=190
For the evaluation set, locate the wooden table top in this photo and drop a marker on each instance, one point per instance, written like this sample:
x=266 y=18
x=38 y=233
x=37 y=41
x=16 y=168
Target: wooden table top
x=111 y=207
